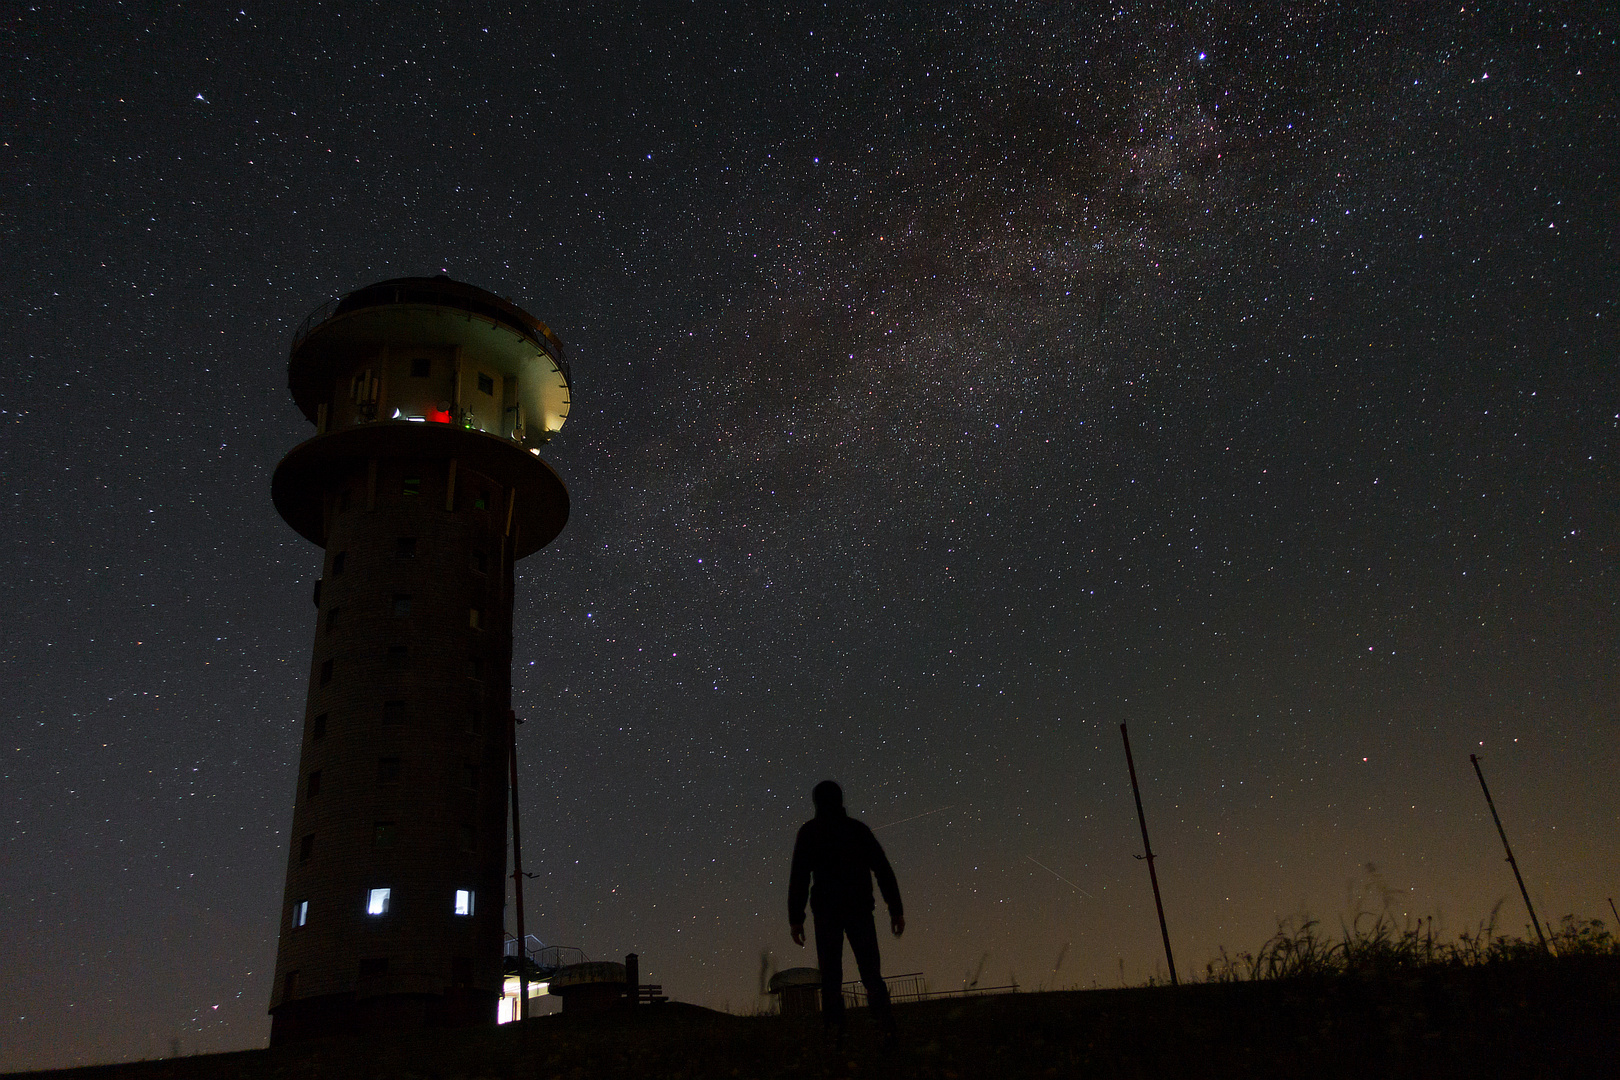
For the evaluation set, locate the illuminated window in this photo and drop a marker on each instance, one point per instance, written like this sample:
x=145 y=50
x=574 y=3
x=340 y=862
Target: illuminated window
x=475 y=619
x=413 y=485
x=402 y=603
x=382 y=834
x=337 y=562
x=486 y=385
x=313 y=787
x=377 y=902
x=326 y=672
x=317 y=727
x=387 y=770
x=393 y=712
x=464 y=902
x=306 y=848
x=300 y=913
x=421 y=367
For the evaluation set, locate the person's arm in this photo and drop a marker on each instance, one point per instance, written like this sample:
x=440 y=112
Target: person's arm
x=798 y=888
x=887 y=885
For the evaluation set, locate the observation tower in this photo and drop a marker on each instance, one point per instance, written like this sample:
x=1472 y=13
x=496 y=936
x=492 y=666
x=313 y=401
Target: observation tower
x=423 y=483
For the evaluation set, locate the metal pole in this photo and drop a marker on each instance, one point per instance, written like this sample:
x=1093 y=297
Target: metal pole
x=1141 y=820
x=517 y=870
x=1511 y=861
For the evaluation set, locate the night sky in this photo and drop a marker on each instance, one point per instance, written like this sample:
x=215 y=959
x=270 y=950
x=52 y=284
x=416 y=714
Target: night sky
x=949 y=387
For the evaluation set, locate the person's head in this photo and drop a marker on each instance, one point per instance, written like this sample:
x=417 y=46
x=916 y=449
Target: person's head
x=828 y=797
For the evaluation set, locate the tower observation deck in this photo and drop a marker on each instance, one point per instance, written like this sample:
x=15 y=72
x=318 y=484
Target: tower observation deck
x=423 y=483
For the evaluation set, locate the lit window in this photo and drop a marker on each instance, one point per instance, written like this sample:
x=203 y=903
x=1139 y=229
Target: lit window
x=301 y=913
x=464 y=902
x=402 y=603
x=475 y=619
x=413 y=485
x=377 y=901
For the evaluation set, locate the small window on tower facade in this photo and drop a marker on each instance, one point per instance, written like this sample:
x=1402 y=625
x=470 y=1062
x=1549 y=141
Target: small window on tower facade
x=326 y=672
x=313 y=787
x=387 y=770
x=464 y=902
x=412 y=486
x=306 y=848
x=332 y=619
x=300 y=914
x=383 y=834
x=480 y=563
x=405 y=547
x=289 y=986
x=475 y=619
x=317 y=727
x=337 y=562
x=377 y=904
x=402 y=603
x=398 y=656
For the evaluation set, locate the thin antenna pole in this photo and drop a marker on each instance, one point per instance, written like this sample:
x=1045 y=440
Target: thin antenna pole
x=1616 y=913
x=517 y=871
x=1141 y=820
x=1511 y=860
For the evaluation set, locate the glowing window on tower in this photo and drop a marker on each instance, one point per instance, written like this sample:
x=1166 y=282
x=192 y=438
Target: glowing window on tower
x=301 y=913
x=464 y=902
x=377 y=901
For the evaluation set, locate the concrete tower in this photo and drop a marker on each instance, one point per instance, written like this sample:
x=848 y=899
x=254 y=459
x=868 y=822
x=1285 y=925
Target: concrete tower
x=424 y=485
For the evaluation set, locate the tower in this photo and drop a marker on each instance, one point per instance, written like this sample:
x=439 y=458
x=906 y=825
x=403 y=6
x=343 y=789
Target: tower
x=424 y=485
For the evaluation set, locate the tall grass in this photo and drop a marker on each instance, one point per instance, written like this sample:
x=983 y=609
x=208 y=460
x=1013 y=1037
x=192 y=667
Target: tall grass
x=1372 y=945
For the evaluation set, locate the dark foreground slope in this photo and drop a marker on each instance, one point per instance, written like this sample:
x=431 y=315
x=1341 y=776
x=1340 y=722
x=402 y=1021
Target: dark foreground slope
x=1520 y=1019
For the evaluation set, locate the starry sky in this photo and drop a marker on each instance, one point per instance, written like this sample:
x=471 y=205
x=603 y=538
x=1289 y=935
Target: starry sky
x=950 y=386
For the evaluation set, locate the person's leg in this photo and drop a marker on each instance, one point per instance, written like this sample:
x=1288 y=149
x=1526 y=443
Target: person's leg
x=863 y=942
x=830 y=958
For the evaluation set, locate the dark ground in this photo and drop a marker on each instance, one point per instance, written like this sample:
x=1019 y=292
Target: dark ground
x=1520 y=1019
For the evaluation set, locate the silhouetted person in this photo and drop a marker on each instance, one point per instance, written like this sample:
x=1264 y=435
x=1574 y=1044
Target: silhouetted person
x=841 y=855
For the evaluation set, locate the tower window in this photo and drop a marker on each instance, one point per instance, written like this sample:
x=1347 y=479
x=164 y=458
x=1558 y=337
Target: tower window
x=377 y=904
x=464 y=902
x=469 y=838
x=475 y=619
x=393 y=712
x=343 y=500
x=405 y=547
x=337 y=562
x=306 y=848
x=397 y=656
x=387 y=770
x=402 y=603
x=480 y=500
x=475 y=668
x=486 y=385
x=469 y=776
x=289 y=986
x=317 y=727
x=300 y=914
x=383 y=834
x=312 y=787
x=480 y=562
x=412 y=486
x=326 y=672
x=421 y=367
x=332 y=619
